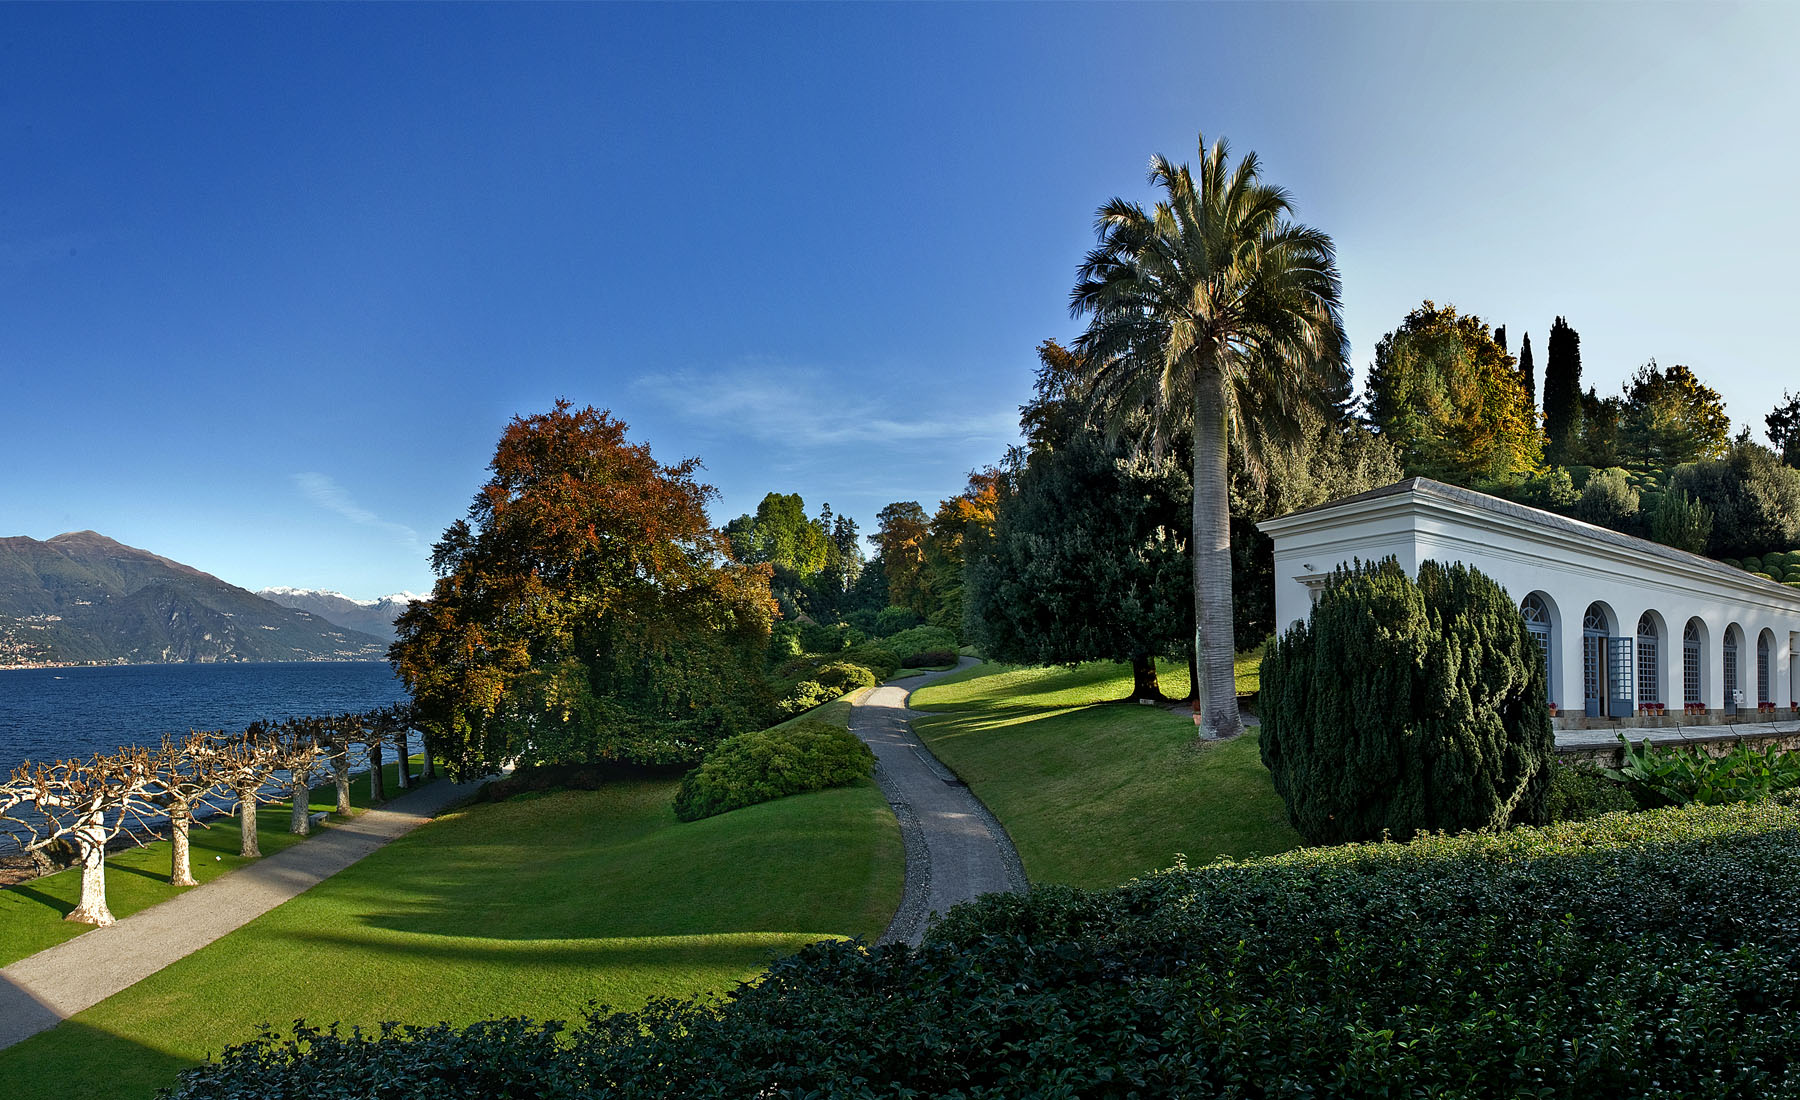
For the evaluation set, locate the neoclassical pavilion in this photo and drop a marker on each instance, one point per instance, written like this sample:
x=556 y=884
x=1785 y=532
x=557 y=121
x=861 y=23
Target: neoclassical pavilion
x=1629 y=628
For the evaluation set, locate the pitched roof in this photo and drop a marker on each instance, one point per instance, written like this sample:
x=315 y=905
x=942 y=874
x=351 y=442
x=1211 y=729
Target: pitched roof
x=1537 y=517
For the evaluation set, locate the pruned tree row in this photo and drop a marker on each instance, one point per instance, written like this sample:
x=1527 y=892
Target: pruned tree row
x=69 y=811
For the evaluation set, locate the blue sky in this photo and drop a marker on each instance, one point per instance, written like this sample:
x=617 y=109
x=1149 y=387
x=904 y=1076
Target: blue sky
x=273 y=278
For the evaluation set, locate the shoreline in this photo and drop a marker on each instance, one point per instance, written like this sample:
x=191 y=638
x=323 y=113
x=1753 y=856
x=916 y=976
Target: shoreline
x=189 y=664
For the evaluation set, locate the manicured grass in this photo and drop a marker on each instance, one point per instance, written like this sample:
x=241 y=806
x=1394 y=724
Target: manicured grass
x=31 y=913
x=533 y=906
x=1094 y=795
x=834 y=713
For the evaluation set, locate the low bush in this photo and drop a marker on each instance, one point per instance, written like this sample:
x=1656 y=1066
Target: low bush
x=770 y=764
x=844 y=677
x=881 y=661
x=931 y=658
x=919 y=640
x=1577 y=794
x=806 y=695
x=817 y=638
x=1675 y=775
x=1648 y=955
x=892 y=620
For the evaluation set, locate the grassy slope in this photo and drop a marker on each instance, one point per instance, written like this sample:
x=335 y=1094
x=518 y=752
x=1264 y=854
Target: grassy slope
x=1094 y=795
x=533 y=906
x=31 y=913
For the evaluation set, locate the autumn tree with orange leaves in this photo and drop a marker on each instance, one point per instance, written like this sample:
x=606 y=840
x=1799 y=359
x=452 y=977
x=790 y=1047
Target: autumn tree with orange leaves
x=586 y=609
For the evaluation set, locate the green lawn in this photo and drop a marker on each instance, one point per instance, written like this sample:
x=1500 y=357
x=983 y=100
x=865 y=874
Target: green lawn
x=31 y=914
x=532 y=906
x=1094 y=795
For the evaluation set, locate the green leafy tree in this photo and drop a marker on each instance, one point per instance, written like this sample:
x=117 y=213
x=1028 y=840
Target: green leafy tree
x=900 y=532
x=1753 y=497
x=1562 y=393
x=1681 y=521
x=1215 y=315
x=1597 y=444
x=585 y=610
x=1784 y=428
x=1448 y=397
x=1609 y=500
x=1404 y=707
x=1669 y=417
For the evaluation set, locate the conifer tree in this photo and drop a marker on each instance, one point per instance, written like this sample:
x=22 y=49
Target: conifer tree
x=1527 y=371
x=1562 y=392
x=1404 y=707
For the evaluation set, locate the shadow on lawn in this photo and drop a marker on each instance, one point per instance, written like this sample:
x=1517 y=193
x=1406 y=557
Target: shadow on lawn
x=63 y=908
x=628 y=953
x=75 y=1060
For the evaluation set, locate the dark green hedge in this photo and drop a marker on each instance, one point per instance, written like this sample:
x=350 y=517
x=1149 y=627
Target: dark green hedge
x=1652 y=955
x=770 y=764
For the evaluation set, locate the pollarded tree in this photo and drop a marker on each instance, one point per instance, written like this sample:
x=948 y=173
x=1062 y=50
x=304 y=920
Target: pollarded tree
x=1402 y=707
x=295 y=749
x=1215 y=315
x=189 y=772
x=248 y=764
x=87 y=803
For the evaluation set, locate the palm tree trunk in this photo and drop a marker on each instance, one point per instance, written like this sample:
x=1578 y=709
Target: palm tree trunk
x=1212 y=561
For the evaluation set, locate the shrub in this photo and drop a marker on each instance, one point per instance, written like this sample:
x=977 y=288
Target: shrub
x=892 y=620
x=1407 y=706
x=874 y=656
x=784 y=641
x=806 y=695
x=1649 y=955
x=1675 y=775
x=770 y=764
x=1608 y=500
x=931 y=658
x=919 y=640
x=1577 y=794
x=844 y=677
x=817 y=638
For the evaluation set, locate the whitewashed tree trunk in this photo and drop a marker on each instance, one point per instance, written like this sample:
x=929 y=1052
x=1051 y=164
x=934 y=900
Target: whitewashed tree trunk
x=405 y=774
x=300 y=824
x=247 y=820
x=91 y=839
x=181 y=871
x=429 y=771
x=340 y=772
x=377 y=789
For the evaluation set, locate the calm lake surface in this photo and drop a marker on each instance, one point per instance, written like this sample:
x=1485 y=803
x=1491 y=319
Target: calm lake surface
x=55 y=713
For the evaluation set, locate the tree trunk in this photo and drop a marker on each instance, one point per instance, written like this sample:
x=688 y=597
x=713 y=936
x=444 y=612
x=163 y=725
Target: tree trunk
x=405 y=773
x=91 y=838
x=300 y=824
x=181 y=870
x=340 y=771
x=377 y=790
x=429 y=771
x=1144 y=688
x=1212 y=560
x=247 y=821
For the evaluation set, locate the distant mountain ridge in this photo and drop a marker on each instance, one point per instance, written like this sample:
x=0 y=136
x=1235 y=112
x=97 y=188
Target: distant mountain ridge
x=84 y=598
x=373 y=617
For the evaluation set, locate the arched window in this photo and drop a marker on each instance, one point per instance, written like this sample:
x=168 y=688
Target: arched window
x=1764 y=692
x=1733 y=685
x=1593 y=657
x=1690 y=663
x=1537 y=621
x=1649 y=668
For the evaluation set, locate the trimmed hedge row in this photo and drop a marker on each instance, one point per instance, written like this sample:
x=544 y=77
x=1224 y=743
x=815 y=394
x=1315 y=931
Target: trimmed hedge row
x=1651 y=955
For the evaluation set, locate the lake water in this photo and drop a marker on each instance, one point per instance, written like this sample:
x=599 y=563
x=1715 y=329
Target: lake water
x=56 y=713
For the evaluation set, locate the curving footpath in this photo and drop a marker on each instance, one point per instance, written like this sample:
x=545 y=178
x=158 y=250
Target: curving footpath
x=955 y=849
x=41 y=991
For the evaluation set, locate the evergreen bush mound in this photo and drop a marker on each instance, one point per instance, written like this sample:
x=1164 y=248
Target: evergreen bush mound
x=1649 y=955
x=931 y=658
x=881 y=661
x=920 y=639
x=892 y=620
x=844 y=677
x=770 y=764
x=1405 y=707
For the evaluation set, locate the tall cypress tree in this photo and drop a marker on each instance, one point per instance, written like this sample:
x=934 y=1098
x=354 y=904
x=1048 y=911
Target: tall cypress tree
x=1527 y=370
x=1500 y=336
x=1562 y=392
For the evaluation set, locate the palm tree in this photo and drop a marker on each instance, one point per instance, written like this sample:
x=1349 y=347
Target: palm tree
x=1215 y=315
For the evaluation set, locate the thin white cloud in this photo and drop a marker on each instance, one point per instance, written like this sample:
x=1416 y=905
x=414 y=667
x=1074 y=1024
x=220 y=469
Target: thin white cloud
x=766 y=404
x=332 y=497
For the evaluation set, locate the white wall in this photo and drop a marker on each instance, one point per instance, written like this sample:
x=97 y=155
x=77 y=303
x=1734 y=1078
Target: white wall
x=1570 y=570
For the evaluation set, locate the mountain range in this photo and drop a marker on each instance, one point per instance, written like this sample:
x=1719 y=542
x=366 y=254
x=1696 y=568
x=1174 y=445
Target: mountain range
x=372 y=617
x=84 y=598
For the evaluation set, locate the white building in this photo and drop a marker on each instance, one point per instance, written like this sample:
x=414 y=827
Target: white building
x=1630 y=629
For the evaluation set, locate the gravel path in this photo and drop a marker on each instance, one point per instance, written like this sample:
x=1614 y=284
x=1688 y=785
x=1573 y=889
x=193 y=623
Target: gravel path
x=955 y=849
x=38 y=992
